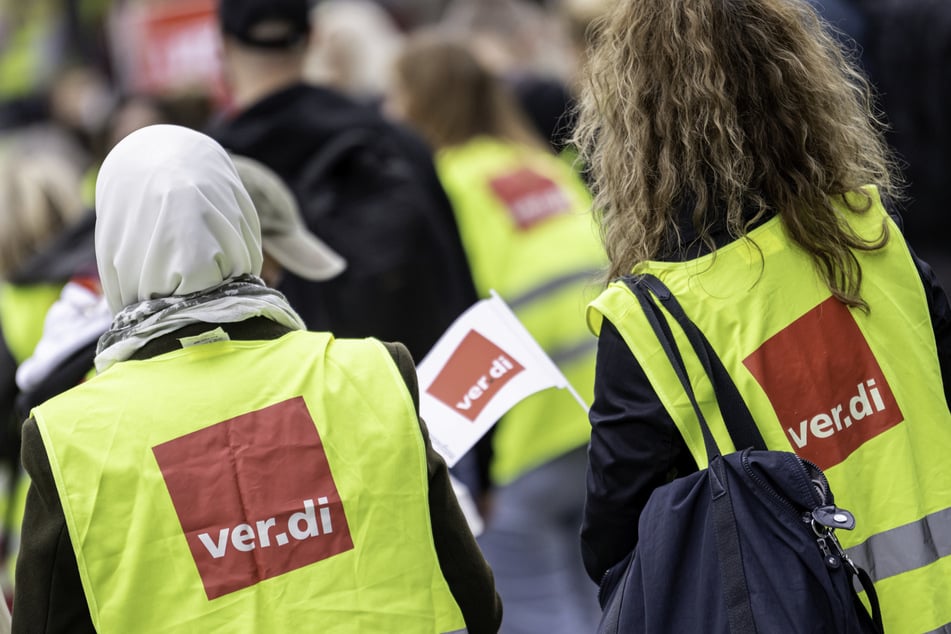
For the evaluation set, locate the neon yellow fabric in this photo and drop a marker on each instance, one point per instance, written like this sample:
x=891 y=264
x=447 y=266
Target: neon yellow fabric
x=759 y=274
x=136 y=567
x=22 y=310
x=22 y=60
x=556 y=261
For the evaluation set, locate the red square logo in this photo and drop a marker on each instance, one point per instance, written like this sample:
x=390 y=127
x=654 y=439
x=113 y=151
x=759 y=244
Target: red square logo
x=475 y=372
x=255 y=496
x=530 y=197
x=825 y=385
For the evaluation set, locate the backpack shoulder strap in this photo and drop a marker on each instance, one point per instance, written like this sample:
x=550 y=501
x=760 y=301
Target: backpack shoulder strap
x=739 y=421
x=331 y=153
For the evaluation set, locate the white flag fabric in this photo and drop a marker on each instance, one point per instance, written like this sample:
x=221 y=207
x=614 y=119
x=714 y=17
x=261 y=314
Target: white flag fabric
x=479 y=369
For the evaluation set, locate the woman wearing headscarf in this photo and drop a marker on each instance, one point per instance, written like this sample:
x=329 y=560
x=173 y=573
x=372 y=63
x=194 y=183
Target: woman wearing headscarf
x=226 y=470
x=736 y=158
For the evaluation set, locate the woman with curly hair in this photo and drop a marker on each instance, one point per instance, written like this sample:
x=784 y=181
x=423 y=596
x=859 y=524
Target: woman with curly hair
x=736 y=156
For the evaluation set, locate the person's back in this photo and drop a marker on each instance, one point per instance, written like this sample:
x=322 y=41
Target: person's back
x=243 y=471
x=279 y=484
x=759 y=204
x=366 y=187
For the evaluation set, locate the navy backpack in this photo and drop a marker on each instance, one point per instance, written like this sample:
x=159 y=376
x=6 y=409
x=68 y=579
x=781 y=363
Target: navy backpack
x=746 y=545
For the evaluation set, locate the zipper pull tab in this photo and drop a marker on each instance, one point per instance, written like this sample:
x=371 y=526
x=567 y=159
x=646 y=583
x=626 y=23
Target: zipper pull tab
x=833 y=517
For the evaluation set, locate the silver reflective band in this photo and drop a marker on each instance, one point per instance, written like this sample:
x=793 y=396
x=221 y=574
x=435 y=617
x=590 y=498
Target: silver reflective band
x=551 y=286
x=564 y=355
x=905 y=548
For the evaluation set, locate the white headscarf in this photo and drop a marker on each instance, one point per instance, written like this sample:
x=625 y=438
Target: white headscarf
x=175 y=230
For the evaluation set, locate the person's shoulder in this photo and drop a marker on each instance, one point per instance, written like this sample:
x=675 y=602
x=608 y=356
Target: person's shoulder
x=401 y=356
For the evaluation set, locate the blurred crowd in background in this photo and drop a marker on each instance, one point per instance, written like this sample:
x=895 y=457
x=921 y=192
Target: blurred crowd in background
x=69 y=69
x=78 y=75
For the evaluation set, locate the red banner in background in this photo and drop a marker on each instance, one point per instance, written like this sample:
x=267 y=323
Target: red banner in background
x=168 y=48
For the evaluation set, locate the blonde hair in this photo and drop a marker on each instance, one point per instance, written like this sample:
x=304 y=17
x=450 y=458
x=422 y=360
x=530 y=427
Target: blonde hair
x=40 y=195
x=736 y=108
x=450 y=97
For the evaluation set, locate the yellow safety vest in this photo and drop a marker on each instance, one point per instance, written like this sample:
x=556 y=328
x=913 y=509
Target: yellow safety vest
x=25 y=63
x=22 y=310
x=858 y=394
x=252 y=486
x=525 y=221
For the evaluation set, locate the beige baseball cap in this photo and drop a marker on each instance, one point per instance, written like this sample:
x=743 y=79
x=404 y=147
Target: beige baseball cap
x=283 y=233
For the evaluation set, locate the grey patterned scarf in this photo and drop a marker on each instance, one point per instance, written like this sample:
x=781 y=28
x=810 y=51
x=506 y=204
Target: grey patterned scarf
x=235 y=300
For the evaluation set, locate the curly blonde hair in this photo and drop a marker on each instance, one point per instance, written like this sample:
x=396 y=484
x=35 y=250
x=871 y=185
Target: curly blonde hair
x=738 y=108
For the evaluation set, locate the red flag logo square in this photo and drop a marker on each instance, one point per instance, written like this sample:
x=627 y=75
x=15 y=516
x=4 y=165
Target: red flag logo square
x=474 y=373
x=530 y=197
x=825 y=385
x=254 y=496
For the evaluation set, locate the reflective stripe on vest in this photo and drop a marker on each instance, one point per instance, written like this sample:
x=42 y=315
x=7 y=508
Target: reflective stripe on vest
x=524 y=218
x=905 y=548
x=850 y=391
x=197 y=497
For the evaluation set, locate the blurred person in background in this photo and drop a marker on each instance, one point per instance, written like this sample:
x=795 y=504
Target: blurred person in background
x=68 y=261
x=345 y=535
x=511 y=37
x=365 y=186
x=352 y=47
x=579 y=19
x=754 y=181
x=537 y=49
x=909 y=52
x=527 y=47
x=526 y=226
x=39 y=198
x=61 y=276
x=903 y=47
x=40 y=41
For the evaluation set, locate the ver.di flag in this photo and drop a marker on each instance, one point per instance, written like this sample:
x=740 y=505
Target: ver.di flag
x=478 y=370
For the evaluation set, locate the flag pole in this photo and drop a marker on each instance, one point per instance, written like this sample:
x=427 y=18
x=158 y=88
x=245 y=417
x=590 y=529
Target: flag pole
x=578 y=398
